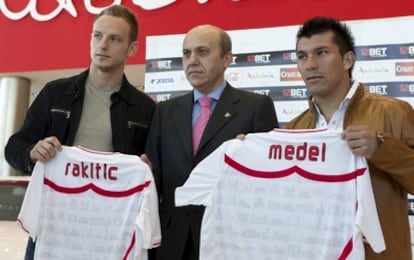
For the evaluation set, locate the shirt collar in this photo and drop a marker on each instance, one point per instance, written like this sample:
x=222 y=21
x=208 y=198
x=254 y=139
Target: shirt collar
x=352 y=91
x=347 y=98
x=215 y=94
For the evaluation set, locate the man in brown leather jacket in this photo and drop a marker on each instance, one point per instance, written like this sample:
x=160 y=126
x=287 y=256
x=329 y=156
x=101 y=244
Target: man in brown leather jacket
x=379 y=128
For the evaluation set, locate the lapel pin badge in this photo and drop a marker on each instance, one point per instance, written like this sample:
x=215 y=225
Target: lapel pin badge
x=227 y=114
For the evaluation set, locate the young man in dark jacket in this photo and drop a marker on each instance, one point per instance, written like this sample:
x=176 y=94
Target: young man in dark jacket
x=97 y=109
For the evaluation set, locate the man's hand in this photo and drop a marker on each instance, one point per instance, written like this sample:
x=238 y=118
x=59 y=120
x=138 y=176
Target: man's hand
x=45 y=149
x=145 y=159
x=241 y=136
x=362 y=140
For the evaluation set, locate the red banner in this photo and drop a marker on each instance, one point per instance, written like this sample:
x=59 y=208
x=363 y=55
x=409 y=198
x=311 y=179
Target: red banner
x=43 y=35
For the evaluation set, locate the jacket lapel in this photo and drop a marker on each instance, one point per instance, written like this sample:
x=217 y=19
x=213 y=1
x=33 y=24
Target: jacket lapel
x=182 y=114
x=223 y=113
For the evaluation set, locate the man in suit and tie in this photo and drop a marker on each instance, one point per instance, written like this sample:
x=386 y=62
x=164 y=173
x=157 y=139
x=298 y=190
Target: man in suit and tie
x=226 y=113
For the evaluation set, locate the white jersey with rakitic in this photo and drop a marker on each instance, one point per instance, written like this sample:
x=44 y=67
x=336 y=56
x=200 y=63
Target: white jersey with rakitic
x=284 y=194
x=91 y=205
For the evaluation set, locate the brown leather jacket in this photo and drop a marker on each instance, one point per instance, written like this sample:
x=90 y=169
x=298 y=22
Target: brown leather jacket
x=391 y=167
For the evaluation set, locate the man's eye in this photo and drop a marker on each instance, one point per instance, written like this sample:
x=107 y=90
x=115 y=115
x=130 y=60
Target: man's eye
x=97 y=36
x=186 y=54
x=323 y=52
x=114 y=39
x=300 y=56
x=203 y=52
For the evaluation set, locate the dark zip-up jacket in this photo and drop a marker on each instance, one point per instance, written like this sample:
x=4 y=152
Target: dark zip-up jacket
x=57 y=109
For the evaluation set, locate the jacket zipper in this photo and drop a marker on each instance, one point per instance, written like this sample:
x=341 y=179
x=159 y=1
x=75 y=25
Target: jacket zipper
x=61 y=111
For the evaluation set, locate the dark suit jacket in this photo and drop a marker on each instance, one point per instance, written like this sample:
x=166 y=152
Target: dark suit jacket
x=169 y=147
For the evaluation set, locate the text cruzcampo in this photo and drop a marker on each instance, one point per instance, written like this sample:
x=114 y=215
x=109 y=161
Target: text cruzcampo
x=91 y=170
x=303 y=152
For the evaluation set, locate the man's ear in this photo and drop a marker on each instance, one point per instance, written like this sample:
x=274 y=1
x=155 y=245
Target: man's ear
x=133 y=48
x=228 y=59
x=349 y=60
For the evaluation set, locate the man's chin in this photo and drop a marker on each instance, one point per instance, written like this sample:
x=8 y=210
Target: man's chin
x=102 y=67
x=196 y=83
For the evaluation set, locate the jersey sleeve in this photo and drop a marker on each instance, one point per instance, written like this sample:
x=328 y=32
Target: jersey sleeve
x=199 y=187
x=28 y=217
x=367 y=218
x=148 y=221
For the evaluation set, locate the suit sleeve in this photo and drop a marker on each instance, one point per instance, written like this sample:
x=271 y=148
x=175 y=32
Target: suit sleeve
x=152 y=147
x=266 y=118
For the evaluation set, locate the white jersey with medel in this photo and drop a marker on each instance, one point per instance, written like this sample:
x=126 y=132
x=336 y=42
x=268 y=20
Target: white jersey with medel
x=284 y=194
x=84 y=204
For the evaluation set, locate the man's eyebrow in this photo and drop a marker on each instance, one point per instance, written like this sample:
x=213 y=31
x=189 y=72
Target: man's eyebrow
x=314 y=49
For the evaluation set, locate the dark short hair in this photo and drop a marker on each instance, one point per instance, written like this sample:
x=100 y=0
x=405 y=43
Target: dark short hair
x=127 y=14
x=343 y=37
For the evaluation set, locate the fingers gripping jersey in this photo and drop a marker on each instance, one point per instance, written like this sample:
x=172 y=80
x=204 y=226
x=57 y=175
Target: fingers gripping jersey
x=284 y=194
x=91 y=205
